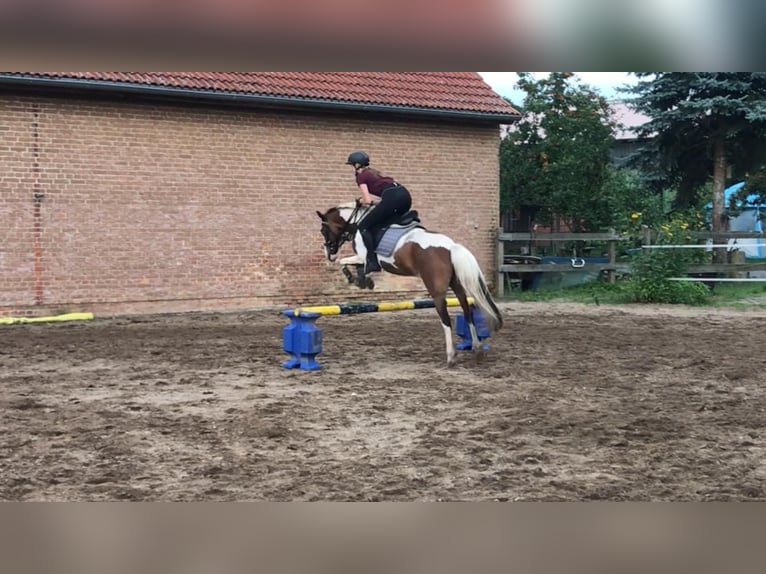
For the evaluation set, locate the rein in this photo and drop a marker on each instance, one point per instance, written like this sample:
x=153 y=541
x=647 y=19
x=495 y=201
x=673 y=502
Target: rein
x=350 y=229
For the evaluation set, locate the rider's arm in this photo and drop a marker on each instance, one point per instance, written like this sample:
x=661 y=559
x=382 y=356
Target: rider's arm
x=367 y=197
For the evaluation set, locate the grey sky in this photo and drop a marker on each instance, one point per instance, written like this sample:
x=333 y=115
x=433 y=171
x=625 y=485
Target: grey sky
x=605 y=82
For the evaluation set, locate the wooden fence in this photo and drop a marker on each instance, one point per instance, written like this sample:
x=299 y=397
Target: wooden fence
x=510 y=264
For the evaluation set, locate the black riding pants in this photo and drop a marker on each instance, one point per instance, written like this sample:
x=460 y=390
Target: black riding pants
x=394 y=202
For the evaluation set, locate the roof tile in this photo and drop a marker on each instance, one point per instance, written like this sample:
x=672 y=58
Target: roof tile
x=456 y=91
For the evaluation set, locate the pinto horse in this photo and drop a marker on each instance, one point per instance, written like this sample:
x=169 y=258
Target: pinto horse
x=439 y=261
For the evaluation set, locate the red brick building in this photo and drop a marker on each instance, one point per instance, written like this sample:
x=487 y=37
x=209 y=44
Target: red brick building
x=175 y=191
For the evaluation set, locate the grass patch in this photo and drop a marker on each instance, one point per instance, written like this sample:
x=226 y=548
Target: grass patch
x=738 y=295
x=598 y=292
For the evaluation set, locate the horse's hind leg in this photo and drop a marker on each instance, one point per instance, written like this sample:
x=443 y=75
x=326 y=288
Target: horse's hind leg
x=435 y=274
x=440 y=303
x=476 y=347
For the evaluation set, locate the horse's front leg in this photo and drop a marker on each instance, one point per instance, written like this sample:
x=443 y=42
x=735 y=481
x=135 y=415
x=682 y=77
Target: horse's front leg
x=362 y=281
x=441 y=309
x=356 y=261
x=347 y=274
x=357 y=277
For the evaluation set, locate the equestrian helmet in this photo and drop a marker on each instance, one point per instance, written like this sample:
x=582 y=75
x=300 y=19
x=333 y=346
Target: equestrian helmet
x=359 y=157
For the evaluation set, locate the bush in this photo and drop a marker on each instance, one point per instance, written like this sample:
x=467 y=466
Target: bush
x=650 y=271
x=644 y=290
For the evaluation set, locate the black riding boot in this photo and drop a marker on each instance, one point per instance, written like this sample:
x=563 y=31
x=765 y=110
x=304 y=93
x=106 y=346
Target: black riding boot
x=372 y=258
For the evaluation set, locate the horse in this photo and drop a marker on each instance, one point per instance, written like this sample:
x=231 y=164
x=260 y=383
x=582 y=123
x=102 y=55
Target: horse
x=440 y=262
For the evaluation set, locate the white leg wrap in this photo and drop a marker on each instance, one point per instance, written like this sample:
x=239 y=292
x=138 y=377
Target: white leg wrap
x=449 y=345
x=475 y=343
x=353 y=260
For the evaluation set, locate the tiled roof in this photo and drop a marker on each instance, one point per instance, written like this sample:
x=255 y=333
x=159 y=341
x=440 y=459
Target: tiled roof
x=628 y=118
x=451 y=91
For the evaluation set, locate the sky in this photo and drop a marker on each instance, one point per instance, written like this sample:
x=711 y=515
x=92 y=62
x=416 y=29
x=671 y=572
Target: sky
x=504 y=83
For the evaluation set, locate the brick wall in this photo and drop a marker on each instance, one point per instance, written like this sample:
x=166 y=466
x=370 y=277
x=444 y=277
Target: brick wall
x=159 y=208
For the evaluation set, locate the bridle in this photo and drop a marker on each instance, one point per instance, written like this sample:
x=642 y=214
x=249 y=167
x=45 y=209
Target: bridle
x=332 y=246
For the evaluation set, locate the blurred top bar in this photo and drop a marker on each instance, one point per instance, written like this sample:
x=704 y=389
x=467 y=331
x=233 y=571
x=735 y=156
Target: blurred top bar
x=297 y=33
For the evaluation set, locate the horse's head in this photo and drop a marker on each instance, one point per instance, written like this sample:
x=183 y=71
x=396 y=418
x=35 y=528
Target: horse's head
x=339 y=225
x=334 y=230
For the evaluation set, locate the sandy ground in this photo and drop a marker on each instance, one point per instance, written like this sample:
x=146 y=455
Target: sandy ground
x=572 y=403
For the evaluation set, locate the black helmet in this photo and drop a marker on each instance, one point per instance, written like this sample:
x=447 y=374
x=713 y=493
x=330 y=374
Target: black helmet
x=358 y=157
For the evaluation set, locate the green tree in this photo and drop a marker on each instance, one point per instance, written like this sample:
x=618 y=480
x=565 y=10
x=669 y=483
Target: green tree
x=700 y=122
x=556 y=157
x=755 y=185
x=625 y=198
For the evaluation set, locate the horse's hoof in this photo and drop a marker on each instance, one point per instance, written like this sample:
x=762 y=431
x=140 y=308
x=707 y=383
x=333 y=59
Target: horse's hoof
x=451 y=362
x=364 y=283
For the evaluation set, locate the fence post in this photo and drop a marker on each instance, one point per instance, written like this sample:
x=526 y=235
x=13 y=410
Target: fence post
x=647 y=236
x=612 y=258
x=500 y=286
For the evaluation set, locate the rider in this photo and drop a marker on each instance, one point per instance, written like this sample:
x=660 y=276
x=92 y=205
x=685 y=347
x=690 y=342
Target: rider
x=391 y=197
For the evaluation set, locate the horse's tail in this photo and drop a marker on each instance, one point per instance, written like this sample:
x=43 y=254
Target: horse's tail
x=469 y=275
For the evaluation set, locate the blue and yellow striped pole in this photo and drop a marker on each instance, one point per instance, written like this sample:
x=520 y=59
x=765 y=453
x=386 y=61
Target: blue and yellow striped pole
x=371 y=307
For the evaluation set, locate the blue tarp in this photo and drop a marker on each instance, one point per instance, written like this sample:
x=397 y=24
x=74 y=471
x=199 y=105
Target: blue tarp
x=751 y=200
x=749 y=219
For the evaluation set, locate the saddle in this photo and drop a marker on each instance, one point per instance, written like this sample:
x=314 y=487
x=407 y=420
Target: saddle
x=410 y=217
x=387 y=237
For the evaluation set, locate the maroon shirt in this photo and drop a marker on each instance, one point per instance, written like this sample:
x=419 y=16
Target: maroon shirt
x=375 y=183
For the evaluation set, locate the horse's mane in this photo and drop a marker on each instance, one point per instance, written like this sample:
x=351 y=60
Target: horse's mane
x=351 y=206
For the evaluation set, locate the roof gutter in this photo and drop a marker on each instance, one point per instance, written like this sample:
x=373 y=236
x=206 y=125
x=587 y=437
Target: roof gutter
x=232 y=98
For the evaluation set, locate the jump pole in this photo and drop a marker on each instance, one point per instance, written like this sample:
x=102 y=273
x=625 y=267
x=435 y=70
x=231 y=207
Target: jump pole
x=302 y=339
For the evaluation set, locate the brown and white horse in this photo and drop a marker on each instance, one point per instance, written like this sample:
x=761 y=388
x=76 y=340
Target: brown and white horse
x=439 y=261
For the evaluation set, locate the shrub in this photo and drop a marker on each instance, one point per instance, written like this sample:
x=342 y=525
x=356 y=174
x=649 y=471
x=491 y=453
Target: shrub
x=651 y=270
x=649 y=289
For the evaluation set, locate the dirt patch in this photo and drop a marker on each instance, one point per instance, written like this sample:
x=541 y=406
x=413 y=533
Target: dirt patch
x=573 y=402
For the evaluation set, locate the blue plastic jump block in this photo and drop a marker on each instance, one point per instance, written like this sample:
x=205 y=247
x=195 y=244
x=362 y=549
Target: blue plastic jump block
x=463 y=330
x=302 y=339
